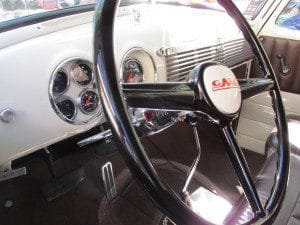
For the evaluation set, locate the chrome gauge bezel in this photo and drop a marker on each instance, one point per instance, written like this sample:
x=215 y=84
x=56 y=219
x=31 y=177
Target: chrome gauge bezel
x=90 y=65
x=73 y=92
x=79 y=102
x=128 y=55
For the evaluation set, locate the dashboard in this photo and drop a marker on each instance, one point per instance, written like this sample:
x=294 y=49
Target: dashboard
x=48 y=81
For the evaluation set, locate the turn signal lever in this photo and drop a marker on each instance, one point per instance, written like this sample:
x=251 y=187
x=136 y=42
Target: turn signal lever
x=95 y=138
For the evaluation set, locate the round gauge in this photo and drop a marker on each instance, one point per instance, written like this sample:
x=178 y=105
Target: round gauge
x=132 y=71
x=66 y=107
x=82 y=74
x=60 y=82
x=89 y=101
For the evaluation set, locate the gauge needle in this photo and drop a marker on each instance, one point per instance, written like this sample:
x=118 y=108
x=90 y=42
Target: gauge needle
x=88 y=100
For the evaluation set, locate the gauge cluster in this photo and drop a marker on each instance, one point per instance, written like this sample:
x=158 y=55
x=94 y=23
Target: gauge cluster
x=73 y=92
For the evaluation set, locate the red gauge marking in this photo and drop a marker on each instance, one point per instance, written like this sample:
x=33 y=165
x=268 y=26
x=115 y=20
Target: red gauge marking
x=88 y=100
x=129 y=77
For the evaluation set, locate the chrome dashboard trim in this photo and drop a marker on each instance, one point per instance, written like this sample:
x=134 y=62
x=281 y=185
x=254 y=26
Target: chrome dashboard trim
x=228 y=53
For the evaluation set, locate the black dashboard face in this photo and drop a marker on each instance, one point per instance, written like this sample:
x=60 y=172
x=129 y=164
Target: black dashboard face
x=60 y=82
x=67 y=108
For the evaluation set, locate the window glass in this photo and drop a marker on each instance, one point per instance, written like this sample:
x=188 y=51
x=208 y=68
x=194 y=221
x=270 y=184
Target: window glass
x=253 y=8
x=249 y=8
x=12 y=9
x=290 y=16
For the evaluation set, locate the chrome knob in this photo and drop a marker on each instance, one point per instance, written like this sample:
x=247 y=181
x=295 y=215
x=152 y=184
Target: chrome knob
x=7 y=115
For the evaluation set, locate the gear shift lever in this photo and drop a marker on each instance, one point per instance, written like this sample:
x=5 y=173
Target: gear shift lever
x=185 y=193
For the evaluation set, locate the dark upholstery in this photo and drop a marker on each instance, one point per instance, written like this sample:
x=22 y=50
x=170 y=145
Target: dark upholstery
x=290 y=211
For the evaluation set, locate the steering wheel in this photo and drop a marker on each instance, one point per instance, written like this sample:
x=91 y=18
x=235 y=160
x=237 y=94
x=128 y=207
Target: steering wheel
x=201 y=95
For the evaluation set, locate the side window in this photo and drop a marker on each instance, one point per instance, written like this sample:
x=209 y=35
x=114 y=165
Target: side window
x=253 y=8
x=290 y=16
x=132 y=2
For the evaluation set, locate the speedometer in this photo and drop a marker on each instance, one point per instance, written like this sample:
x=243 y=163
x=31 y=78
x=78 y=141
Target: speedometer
x=132 y=71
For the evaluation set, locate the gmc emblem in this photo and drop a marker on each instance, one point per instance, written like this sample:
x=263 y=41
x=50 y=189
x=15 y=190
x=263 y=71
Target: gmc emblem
x=224 y=83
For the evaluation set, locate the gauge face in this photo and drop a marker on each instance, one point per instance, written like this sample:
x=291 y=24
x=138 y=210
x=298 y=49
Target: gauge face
x=82 y=74
x=132 y=71
x=67 y=108
x=60 y=82
x=89 y=102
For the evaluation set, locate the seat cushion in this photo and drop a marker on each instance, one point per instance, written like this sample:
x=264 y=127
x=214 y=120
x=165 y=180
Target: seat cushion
x=294 y=129
x=290 y=210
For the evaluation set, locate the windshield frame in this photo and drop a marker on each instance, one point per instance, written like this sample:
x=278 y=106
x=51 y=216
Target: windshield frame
x=42 y=17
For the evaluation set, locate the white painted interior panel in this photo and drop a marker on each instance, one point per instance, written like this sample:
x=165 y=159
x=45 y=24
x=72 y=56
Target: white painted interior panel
x=26 y=70
x=257 y=119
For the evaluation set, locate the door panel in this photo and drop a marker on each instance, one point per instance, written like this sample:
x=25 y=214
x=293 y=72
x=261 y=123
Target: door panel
x=278 y=38
x=290 y=52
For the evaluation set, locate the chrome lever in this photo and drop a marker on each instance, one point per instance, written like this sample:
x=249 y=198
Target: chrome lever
x=284 y=69
x=95 y=138
x=195 y=163
x=109 y=181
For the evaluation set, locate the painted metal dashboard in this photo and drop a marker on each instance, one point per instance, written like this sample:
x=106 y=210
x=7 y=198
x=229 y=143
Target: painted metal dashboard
x=31 y=55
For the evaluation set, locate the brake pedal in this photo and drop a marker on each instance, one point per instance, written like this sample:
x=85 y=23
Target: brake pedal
x=109 y=181
x=61 y=185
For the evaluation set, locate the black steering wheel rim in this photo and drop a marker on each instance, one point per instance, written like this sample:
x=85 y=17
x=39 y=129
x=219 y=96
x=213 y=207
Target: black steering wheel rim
x=131 y=148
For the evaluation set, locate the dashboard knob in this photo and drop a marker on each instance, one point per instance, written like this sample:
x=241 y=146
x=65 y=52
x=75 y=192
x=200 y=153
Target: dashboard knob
x=7 y=115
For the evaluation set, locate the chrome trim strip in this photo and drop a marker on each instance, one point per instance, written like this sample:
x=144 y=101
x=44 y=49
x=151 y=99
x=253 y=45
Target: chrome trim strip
x=229 y=53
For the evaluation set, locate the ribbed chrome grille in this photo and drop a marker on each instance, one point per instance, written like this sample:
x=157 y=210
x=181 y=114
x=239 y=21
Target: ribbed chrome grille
x=228 y=53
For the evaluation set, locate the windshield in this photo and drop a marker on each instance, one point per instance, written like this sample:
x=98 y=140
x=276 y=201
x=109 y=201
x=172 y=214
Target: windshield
x=13 y=9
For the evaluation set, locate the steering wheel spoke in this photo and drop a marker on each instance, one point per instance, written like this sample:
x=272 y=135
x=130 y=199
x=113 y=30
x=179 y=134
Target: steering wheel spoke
x=162 y=96
x=241 y=169
x=254 y=86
